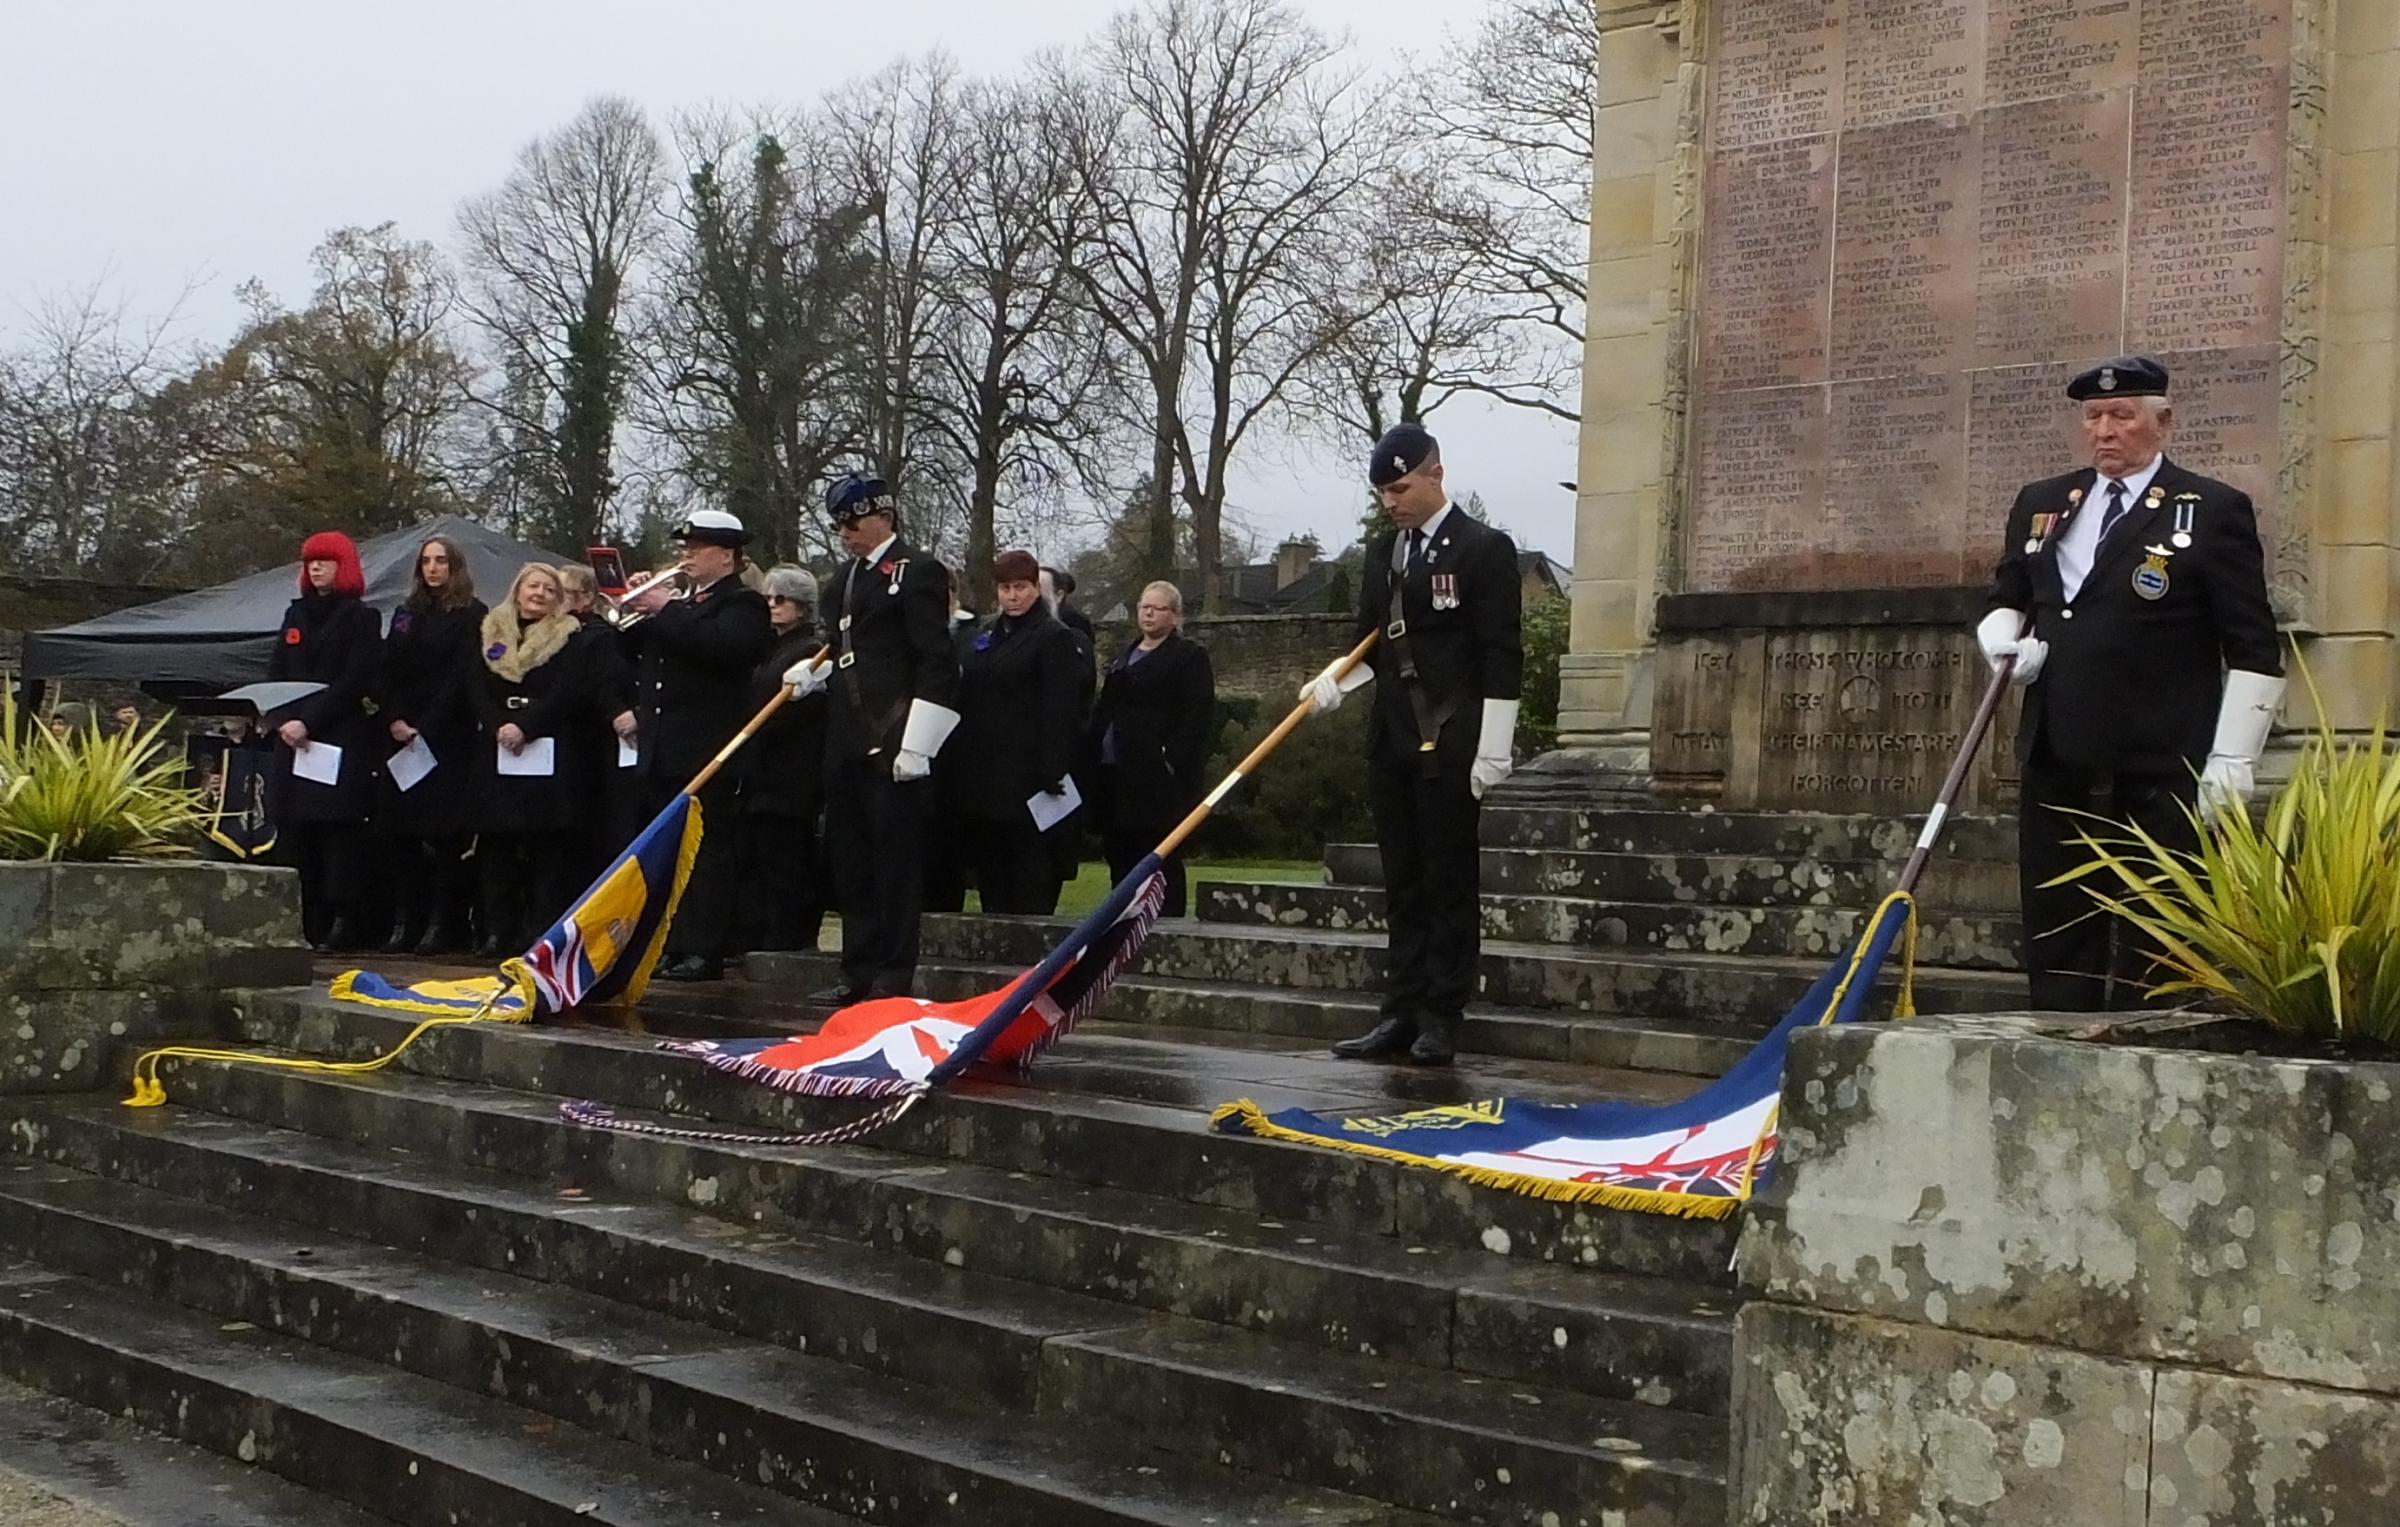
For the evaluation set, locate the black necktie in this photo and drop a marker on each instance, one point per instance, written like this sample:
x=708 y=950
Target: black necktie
x=1416 y=549
x=2116 y=512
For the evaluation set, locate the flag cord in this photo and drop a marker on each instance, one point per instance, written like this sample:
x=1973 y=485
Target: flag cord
x=149 y=1092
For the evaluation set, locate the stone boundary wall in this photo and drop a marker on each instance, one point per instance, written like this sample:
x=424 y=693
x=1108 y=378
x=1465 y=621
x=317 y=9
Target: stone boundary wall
x=1259 y=654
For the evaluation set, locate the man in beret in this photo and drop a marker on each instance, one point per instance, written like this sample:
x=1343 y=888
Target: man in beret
x=893 y=672
x=1443 y=589
x=693 y=659
x=2131 y=596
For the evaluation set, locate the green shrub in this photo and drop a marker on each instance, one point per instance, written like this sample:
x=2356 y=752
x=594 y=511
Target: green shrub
x=2293 y=919
x=1545 y=637
x=89 y=795
x=1311 y=792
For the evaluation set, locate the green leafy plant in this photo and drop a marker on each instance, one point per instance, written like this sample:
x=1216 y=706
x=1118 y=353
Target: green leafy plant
x=90 y=795
x=2292 y=918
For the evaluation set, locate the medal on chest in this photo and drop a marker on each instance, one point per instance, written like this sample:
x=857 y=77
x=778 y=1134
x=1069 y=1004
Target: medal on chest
x=2047 y=525
x=2187 y=507
x=1445 y=591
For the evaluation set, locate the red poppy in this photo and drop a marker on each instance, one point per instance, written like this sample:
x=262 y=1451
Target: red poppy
x=291 y=636
x=885 y=569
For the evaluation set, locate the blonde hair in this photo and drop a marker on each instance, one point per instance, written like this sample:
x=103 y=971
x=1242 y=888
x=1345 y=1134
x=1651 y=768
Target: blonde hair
x=1174 y=596
x=535 y=570
x=575 y=578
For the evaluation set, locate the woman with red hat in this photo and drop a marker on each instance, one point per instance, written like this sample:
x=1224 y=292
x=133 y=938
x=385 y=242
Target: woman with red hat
x=324 y=768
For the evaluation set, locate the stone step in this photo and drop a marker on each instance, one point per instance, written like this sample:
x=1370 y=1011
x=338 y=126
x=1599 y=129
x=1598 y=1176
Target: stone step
x=1103 y=1111
x=1218 y=1011
x=1301 y=1280
x=410 y=1449
x=133 y=1478
x=817 y=1429
x=1748 y=991
x=1783 y=835
x=1748 y=880
x=1976 y=942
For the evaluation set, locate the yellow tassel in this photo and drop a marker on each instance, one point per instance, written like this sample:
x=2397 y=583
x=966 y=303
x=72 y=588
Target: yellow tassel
x=150 y=1092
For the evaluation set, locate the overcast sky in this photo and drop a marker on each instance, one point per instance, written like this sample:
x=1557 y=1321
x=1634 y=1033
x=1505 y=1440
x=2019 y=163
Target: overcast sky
x=155 y=142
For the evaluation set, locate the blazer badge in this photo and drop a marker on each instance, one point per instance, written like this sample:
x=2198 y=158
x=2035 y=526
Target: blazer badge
x=2150 y=579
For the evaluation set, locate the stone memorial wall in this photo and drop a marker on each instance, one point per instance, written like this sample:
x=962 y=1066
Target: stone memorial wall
x=1920 y=216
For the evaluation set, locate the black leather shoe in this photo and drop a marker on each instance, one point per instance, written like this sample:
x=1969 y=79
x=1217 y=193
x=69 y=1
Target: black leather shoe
x=341 y=938
x=692 y=967
x=1437 y=1042
x=442 y=941
x=489 y=949
x=402 y=941
x=837 y=996
x=1387 y=1039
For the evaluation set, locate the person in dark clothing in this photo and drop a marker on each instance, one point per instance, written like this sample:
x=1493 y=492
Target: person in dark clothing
x=695 y=657
x=893 y=678
x=615 y=818
x=533 y=763
x=428 y=712
x=1443 y=589
x=1019 y=697
x=1062 y=593
x=1156 y=718
x=324 y=767
x=783 y=782
x=2131 y=595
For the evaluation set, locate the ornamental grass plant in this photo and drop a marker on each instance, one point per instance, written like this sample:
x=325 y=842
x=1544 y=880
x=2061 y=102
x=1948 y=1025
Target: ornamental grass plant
x=2291 y=918
x=91 y=795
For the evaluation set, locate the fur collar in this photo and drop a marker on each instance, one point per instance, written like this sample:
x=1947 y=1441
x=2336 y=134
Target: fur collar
x=513 y=651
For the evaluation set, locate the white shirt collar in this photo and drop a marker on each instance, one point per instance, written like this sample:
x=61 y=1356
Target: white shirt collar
x=2134 y=482
x=877 y=555
x=1435 y=523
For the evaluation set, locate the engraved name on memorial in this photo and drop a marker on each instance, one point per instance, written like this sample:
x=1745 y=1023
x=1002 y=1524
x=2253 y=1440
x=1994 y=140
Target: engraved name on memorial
x=1920 y=216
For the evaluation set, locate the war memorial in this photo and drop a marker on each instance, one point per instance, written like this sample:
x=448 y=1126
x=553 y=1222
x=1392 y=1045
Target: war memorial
x=2009 y=1268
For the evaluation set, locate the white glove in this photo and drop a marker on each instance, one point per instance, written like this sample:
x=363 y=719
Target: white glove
x=928 y=727
x=808 y=676
x=2244 y=717
x=1997 y=636
x=1325 y=693
x=1495 y=748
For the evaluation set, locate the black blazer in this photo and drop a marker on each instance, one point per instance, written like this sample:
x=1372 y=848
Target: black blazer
x=783 y=767
x=1020 y=715
x=428 y=662
x=695 y=658
x=2137 y=658
x=1163 y=711
x=337 y=641
x=898 y=640
x=553 y=700
x=1468 y=650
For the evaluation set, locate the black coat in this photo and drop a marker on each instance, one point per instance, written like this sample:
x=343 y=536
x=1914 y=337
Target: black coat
x=1020 y=717
x=553 y=700
x=783 y=767
x=898 y=647
x=695 y=659
x=337 y=641
x=1464 y=604
x=1163 y=711
x=428 y=662
x=2132 y=682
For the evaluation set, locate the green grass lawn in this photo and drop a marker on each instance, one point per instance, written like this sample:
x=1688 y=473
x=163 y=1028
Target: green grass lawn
x=1083 y=893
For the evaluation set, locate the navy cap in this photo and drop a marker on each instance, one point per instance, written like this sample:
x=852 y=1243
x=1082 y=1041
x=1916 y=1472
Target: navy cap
x=855 y=496
x=1403 y=449
x=2128 y=376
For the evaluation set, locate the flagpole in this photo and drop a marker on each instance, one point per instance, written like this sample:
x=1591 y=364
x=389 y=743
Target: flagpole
x=1956 y=780
x=1258 y=755
x=749 y=730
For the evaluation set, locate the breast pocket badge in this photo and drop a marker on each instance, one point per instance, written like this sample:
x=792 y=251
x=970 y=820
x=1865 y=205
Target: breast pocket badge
x=1445 y=591
x=2150 y=579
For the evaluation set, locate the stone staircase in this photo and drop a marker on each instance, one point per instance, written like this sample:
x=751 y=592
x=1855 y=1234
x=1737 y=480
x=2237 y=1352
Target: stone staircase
x=1053 y=1299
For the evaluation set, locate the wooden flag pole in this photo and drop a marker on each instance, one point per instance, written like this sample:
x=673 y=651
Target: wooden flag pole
x=749 y=730
x=1956 y=780
x=1258 y=755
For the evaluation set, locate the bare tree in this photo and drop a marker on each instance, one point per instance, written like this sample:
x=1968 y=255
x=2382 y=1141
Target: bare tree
x=348 y=413
x=1017 y=366
x=1513 y=115
x=94 y=461
x=549 y=256
x=895 y=155
x=1215 y=142
x=755 y=343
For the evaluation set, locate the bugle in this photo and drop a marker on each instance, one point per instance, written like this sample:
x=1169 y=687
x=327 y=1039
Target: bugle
x=618 y=611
